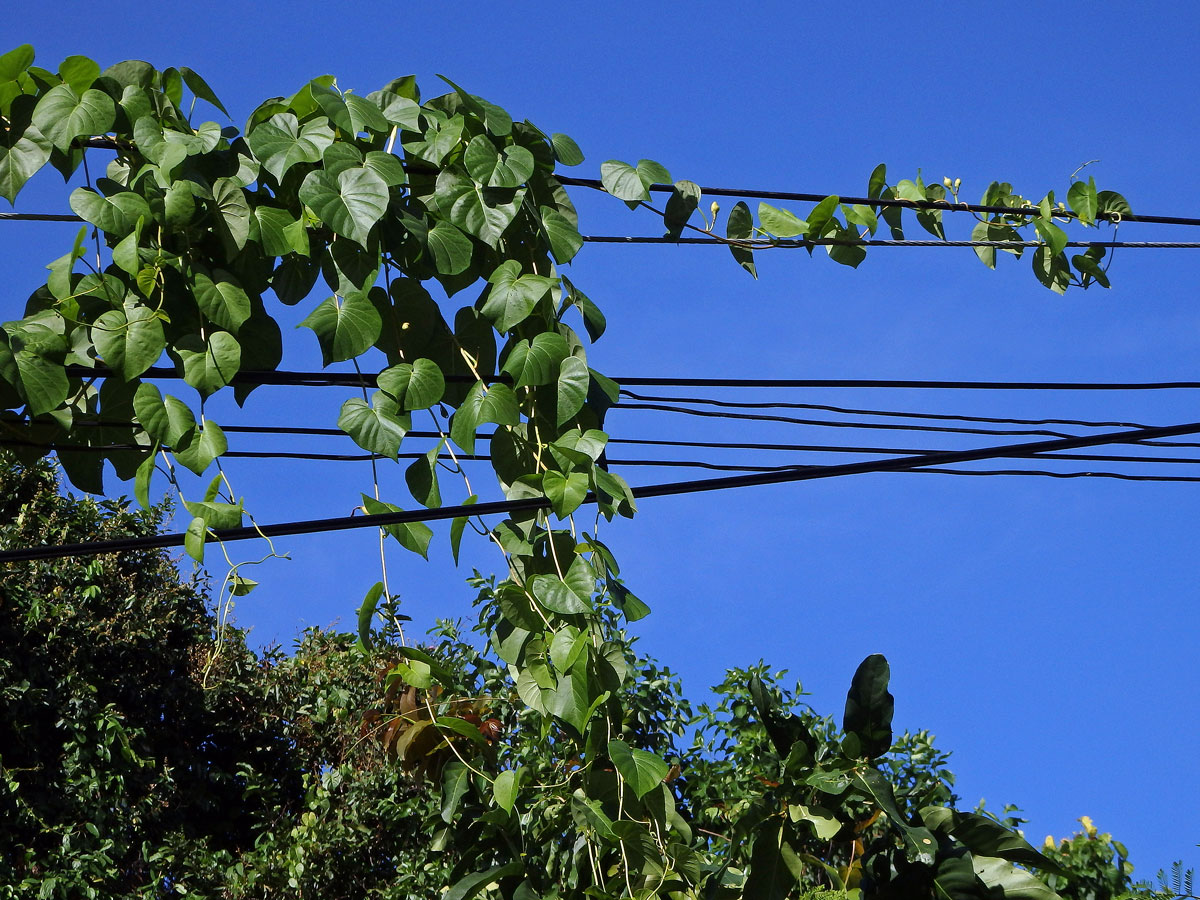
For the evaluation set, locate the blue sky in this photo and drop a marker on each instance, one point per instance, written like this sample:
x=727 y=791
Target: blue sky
x=1044 y=630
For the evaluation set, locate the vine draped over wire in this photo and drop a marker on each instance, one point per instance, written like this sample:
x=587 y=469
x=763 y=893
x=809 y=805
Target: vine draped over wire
x=396 y=206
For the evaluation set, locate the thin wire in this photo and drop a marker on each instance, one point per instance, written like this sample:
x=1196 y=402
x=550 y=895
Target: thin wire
x=790 y=244
x=738 y=404
x=314 y=526
x=350 y=379
x=791 y=420
x=945 y=205
x=819 y=448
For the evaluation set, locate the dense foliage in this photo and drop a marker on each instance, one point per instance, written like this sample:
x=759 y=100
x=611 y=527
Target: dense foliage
x=143 y=758
x=552 y=755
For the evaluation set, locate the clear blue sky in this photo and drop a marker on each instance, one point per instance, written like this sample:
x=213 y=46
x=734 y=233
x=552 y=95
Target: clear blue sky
x=1044 y=630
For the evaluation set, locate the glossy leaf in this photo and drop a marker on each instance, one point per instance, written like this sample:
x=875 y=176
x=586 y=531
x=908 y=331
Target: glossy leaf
x=566 y=151
x=282 y=142
x=129 y=340
x=346 y=329
x=62 y=114
x=565 y=492
x=508 y=167
x=536 y=362
x=451 y=248
x=209 y=365
x=642 y=770
x=416 y=386
x=207 y=443
x=378 y=427
x=573 y=383
x=512 y=295
x=350 y=203
x=557 y=596
x=740 y=226
x=414 y=536
x=869 y=707
x=366 y=612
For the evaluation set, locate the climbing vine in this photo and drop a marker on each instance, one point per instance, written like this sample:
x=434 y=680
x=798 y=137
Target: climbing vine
x=389 y=206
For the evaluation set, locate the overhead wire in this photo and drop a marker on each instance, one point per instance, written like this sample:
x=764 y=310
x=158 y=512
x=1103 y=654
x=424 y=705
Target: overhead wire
x=352 y=379
x=383 y=520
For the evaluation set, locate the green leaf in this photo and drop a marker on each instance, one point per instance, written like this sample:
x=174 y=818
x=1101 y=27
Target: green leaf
x=652 y=173
x=468 y=887
x=456 y=528
x=480 y=211
x=557 y=596
x=623 y=181
x=987 y=255
x=770 y=877
x=168 y=422
x=1002 y=878
x=593 y=318
x=1089 y=266
x=1052 y=271
x=537 y=362
x=869 y=707
x=365 y=115
x=366 y=613
x=233 y=211
x=642 y=770
x=129 y=341
x=1111 y=202
x=680 y=206
x=570 y=700
x=455 y=781
x=200 y=88
x=451 y=248
x=281 y=142
x=565 y=239
x=494 y=119
x=14 y=63
x=565 y=492
x=566 y=151
x=22 y=154
x=209 y=365
x=221 y=298
x=822 y=215
x=919 y=842
x=387 y=166
x=1083 y=200
x=513 y=296
x=350 y=203
x=378 y=427
x=780 y=222
x=573 y=383
x=216 y=515
x=414 y=536
x=505 y=787
x=63 y=115
x=740 y=226
x=416 y=386
x=141 y=483
x=986 y=837
x=1055 y=237
x=79 y=72
x=347 y=329
x=117 y=215
x=508 y=167
x=194 y=538
x=206 y=445
x=422 y=479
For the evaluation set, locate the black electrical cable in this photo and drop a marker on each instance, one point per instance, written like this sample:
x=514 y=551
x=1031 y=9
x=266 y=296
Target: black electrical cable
x=740 y=404
x=382 y=520
x=948 y=206
x=353 y=379
x=791 y=420
x=789 y=244
x=820 y=448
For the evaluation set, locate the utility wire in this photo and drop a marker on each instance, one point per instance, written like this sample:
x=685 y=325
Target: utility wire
x=785 y=243
x=811 y=448
x=352 y=379
x=791 y=244
x=739 y=404
x=383 y=520
x=948 y=206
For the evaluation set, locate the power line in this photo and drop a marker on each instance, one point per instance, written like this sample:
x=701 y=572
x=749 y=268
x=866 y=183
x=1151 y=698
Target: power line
x=945 y=205
x=353 y=379
x=791 y=244
x=698 y=445
x=741 y=404
x=382 y=520
x=786 y=243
